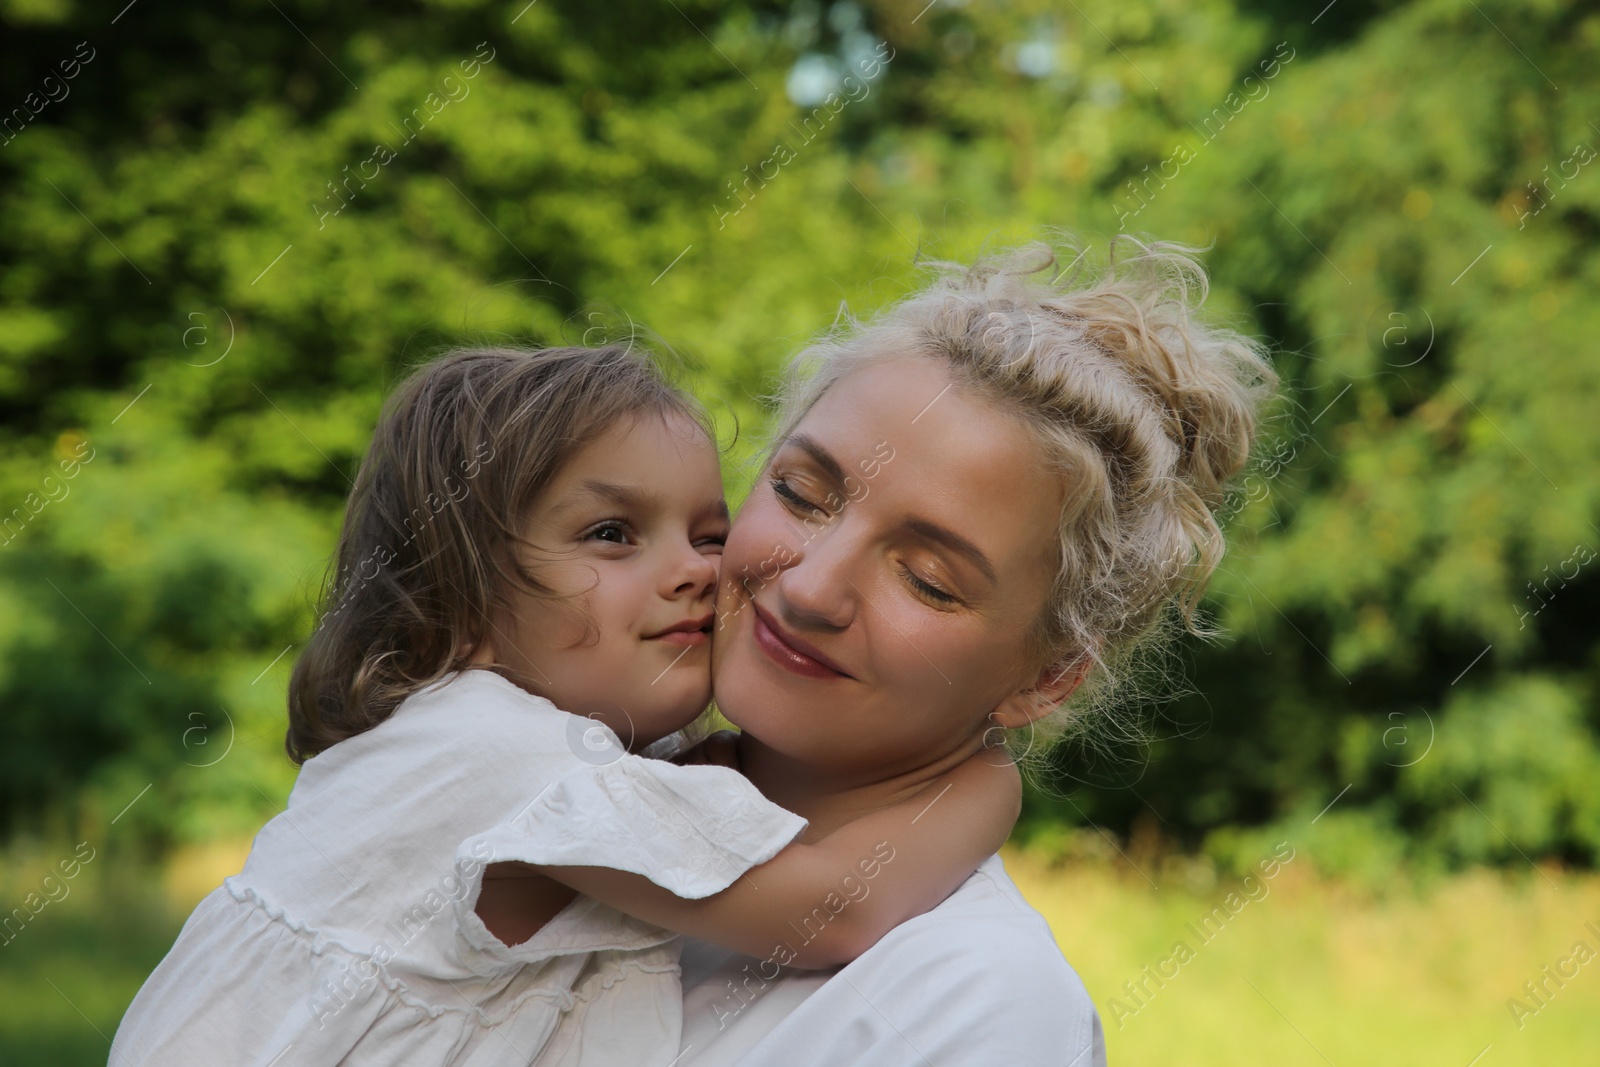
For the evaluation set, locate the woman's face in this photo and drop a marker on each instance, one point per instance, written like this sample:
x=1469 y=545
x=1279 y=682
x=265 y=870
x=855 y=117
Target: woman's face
x=880 y=584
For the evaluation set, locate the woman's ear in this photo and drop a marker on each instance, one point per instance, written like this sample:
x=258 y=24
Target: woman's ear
x=1054 y=684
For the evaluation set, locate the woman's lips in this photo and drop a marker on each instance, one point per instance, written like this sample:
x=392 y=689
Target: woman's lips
x=808 y=663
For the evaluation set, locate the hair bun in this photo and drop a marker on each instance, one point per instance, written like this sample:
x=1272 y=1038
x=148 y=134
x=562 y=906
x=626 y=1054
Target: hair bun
x=1208 y=381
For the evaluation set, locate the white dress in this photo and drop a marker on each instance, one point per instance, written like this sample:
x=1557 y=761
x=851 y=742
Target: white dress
x=350 y=936
x=977 y=981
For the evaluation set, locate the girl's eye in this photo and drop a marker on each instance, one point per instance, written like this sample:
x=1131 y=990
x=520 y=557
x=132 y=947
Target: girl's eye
x=786 y=492
x=716 y=541
x=611 y=532
x=927 y=589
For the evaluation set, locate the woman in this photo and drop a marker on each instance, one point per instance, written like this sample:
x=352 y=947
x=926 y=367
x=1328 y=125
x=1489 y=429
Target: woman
x=979 y=505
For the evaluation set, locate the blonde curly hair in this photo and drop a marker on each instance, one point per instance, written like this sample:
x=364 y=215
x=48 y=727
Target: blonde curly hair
x=1146 y=411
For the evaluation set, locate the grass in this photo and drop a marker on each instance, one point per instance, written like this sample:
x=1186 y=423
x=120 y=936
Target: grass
x=1312 y=971
x=1320 y=972
x=68 y=974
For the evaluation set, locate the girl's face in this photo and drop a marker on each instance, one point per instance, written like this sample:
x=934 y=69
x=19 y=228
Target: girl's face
x=882 y=581
x=629 y=536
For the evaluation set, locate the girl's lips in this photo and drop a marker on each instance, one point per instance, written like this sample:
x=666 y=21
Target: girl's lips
x=683 y=637
x=688 y=632
x=786 y=655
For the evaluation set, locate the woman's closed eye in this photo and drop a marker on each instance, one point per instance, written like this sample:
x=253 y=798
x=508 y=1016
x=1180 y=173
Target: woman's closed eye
x=786 y=492
x=927 y=589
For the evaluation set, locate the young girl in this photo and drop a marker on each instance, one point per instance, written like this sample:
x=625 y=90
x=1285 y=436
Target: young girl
x=524 y=594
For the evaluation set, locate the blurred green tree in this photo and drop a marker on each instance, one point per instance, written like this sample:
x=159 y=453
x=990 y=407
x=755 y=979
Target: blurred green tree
x=229 y=232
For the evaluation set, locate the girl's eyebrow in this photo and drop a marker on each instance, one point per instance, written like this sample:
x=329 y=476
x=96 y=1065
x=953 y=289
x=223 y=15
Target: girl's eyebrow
x=627 y=496
x=631 y=498
x=624 y=496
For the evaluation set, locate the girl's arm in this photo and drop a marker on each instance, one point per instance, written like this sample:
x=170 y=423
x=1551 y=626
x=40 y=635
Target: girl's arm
x=823 y=904
x=516 y=901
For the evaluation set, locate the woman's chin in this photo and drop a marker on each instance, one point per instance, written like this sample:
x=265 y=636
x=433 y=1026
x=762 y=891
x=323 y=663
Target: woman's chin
x=749 y=697
x=782 y=710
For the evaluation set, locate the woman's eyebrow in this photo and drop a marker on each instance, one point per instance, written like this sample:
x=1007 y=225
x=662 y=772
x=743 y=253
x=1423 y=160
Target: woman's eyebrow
x=928 y=531
x=931 y=531
x=819 y=455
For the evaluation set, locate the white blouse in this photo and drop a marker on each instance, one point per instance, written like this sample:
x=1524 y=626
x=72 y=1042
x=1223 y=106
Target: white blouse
x=351 y=936
x=976 y=981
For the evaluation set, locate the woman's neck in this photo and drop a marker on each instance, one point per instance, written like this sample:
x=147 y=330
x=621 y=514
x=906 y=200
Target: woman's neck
x=829 y=801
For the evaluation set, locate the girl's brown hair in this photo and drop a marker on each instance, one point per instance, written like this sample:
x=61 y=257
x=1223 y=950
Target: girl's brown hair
x=426 y=555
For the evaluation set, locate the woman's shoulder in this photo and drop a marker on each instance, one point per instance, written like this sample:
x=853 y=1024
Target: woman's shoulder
x=988 y=892
x=978 y=979
x=985 y=919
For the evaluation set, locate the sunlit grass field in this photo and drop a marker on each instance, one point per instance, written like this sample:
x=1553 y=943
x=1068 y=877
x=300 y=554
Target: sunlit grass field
x=1317 y=971
x=1310 y=971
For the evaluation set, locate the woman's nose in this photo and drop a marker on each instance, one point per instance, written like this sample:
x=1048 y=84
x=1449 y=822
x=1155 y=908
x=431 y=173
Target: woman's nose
x=817 y=586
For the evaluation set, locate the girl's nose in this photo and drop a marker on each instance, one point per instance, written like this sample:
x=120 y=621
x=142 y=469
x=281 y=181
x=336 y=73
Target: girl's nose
x=693 y=573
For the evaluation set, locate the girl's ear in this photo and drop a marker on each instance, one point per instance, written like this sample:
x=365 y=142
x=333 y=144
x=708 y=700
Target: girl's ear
x=1054 y=684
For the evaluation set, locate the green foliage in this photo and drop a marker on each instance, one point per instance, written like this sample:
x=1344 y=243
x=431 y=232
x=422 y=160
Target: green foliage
x=211 y=274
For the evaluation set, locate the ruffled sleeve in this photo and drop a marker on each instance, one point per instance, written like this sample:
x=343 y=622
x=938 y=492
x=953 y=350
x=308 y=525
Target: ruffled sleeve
x=691 y=830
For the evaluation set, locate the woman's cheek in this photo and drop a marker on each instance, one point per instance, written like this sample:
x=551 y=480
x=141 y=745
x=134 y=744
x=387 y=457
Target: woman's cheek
x=758 y=537
x=906 y=654
x=934 y=659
